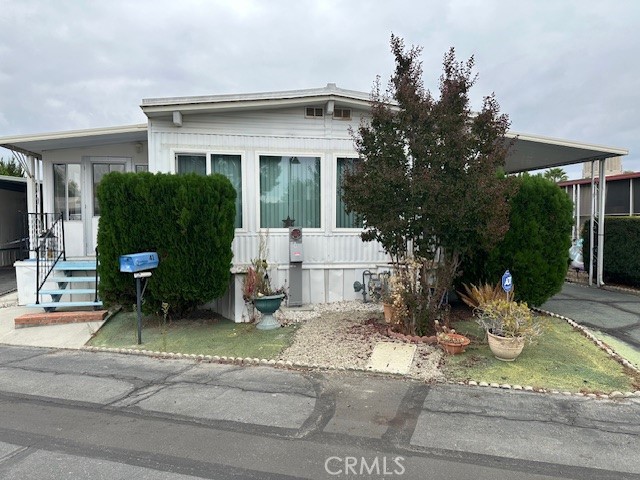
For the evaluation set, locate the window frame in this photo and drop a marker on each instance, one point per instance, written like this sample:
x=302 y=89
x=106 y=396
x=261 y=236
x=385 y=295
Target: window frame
x=208 y=154
x=322 y=189
x=334 y=219
x=315 y=111
x=342 y=110
x=80 y=183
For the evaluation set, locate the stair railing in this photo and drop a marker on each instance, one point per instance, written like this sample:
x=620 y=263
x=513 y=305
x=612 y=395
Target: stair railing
x=96 y=296
x=46 y=234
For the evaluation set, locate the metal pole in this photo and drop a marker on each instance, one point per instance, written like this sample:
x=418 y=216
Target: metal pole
x=592 y=222
x=139 y=305
x=602 y=198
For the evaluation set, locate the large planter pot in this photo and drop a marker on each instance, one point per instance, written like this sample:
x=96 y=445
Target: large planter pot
x=267 y=306
x=506 y=349
x=458 y=345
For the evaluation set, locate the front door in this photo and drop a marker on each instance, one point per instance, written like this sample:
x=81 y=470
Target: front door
x=95 y=169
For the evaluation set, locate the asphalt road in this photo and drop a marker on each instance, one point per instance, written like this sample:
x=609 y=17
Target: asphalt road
x=76 y=414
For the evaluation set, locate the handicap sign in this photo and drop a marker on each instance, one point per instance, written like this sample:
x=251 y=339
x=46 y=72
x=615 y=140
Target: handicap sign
x=507 y=281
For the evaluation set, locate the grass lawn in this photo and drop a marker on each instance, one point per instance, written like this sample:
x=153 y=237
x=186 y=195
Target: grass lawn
x=206 y=335
x=562 y=359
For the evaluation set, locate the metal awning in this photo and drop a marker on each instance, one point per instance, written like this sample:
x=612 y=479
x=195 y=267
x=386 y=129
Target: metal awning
x=535 y=152
x=527 y=153
x=35 y=145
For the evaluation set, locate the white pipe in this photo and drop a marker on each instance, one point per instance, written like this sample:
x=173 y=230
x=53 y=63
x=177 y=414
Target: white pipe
x=592 y=220
x=602 y=198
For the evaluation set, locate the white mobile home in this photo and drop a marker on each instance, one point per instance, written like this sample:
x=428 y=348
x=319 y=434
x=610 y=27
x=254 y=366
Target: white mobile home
x=283 y=151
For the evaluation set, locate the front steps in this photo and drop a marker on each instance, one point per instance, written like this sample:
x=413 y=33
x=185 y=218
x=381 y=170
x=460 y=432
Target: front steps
x=58 y=318
x=73 y=280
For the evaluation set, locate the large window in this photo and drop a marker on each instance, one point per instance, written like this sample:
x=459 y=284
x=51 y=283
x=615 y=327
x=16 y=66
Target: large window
x=66 y=190
x=344 y=219
x=99 y=171
x=227 y=165
x=289 y=191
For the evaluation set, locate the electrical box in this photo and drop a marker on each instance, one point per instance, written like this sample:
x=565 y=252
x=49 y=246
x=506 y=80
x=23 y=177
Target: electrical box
x=138 y=262
x=296 y=256
x=296 y=253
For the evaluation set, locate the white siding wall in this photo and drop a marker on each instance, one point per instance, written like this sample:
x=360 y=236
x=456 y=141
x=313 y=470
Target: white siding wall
x=333 y=259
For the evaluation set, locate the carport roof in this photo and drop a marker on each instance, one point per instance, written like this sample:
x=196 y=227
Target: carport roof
x=535 y=152
x=38 y=143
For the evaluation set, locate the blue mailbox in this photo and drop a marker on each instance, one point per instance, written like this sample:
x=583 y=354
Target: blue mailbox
x=138 y=262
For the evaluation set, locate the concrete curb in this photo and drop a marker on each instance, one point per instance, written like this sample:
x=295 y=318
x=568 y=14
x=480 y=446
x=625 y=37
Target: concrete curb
x=299 y=366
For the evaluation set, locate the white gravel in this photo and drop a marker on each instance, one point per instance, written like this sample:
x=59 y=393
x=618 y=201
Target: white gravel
x=334 y=335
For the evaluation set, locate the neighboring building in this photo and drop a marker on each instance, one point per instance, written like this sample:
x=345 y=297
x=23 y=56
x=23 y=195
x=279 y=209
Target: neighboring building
x=622 y=197
x=13 y=207
x=283 y=151
x=612 y=166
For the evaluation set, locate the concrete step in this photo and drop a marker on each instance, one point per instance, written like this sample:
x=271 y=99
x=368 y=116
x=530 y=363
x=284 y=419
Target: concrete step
x=63 y=279
x=77 y=265
x=58 y=318
x=68 y=291
x=65 y=304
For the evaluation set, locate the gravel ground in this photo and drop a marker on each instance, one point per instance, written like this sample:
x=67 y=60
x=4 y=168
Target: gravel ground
x=343 y=334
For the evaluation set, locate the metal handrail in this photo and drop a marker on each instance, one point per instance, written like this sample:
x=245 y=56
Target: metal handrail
x=46 y=235
x=96 y=296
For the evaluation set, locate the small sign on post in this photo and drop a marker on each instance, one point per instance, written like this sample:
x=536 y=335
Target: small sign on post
x=507 y=283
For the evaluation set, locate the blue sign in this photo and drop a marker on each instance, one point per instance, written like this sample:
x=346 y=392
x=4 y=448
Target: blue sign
x=507 y=281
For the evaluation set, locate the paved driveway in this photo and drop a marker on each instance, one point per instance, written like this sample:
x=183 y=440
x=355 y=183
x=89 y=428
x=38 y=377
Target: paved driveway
x=613 y=312
x=7 y=280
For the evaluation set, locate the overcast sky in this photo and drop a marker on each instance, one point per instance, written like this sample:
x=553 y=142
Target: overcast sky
x=567 y=69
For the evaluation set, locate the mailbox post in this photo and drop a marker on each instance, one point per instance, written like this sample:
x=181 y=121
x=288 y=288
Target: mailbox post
x=139 y=264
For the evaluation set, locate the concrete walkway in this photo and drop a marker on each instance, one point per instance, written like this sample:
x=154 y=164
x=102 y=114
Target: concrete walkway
x=72 y=335
x=613 y=312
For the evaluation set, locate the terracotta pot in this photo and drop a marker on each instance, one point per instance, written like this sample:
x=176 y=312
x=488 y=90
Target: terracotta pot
x=506 y=349
x=389 y=312
x=453 y=348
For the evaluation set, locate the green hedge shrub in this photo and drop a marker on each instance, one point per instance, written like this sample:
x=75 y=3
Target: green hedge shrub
x=621 y=246
x=187 y=219
x=536 y=248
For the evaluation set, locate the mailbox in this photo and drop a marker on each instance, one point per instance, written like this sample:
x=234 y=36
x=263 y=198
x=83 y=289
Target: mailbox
x=296 y=254
x=138 y=262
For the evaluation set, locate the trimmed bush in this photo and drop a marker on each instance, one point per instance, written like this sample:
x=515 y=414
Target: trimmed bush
x=621 y=260
x=536 y=248
x=187 y=219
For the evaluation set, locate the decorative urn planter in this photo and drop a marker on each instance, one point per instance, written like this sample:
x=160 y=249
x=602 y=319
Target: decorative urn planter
x=453 y=343
x=506 y=349
x=267 y=306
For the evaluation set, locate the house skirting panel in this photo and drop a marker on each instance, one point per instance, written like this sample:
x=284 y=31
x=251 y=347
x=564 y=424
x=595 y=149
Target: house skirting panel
x=320 y=284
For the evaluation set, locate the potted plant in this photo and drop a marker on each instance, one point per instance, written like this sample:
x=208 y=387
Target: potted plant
x=451 y=342
x=509 y=325
x=257 y=290
x=387 y=297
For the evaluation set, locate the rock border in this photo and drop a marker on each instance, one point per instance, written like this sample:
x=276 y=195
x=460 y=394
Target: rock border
x=300 y=366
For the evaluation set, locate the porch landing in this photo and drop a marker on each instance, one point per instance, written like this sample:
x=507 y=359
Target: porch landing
x=58 y=318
